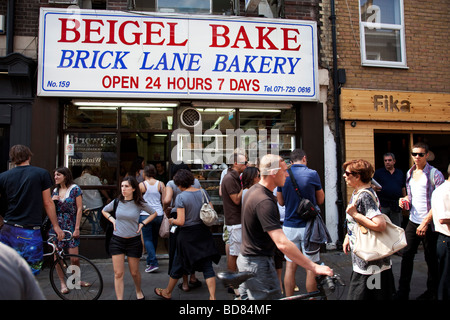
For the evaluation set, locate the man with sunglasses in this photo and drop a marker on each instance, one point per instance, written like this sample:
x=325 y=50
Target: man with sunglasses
x=421 y=180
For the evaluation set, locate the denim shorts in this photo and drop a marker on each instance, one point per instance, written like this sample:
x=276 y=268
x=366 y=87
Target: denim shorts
x=131 y=247
x=296 y=235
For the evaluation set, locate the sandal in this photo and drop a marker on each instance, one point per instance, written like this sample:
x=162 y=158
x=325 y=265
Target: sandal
x=180 y=286
x=85 y=284
x=65 y=290
x=158 y=292
x=195 y=284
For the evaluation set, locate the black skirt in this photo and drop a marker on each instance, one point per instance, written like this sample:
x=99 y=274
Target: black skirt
x=194 y=244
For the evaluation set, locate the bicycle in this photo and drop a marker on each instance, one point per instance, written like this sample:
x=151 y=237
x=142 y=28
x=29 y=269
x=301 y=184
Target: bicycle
x=68 y=269
x=326 y=285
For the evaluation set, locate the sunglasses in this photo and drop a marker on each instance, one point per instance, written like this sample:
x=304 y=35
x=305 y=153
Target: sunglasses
x=420 y=154
x=348 y=173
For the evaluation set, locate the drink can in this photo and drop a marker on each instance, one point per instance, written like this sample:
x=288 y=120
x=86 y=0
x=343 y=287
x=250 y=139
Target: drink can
x=405 y=204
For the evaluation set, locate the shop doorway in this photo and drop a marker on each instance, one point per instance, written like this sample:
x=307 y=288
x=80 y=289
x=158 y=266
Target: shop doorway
x=396 y=143
x=400 y=145
x=149 y=148
x=140 y=149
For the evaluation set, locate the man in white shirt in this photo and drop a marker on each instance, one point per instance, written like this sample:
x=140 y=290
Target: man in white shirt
x=440 y=205
x=421 y=180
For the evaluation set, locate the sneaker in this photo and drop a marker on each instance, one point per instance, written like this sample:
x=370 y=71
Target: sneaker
x=151 y=269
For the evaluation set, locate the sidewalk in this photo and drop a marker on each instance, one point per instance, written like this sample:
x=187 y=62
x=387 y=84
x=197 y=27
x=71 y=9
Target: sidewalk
x=338 y=261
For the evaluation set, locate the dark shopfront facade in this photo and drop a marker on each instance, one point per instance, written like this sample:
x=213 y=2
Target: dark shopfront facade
x=109 y=139
x=91 y=104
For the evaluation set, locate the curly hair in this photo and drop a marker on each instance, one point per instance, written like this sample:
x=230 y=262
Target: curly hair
x=361 y=167
x=183 y=178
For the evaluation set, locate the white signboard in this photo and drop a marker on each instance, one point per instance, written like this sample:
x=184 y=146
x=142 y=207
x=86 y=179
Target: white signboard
x=90 y=53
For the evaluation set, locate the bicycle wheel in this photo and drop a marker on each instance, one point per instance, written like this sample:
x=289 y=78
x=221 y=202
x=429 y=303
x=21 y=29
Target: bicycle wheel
x=81 y=277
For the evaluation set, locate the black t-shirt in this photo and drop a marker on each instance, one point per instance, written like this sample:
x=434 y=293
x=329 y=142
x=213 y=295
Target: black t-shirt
x=231 y=184
x=260 y=214
x=22 y=187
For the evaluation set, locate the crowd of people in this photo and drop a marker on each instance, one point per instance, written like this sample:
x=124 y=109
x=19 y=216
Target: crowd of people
x=262 y=228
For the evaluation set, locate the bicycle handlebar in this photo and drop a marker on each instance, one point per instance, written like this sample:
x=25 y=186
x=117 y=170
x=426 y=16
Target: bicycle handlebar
x=67 y=237
x=330 y=282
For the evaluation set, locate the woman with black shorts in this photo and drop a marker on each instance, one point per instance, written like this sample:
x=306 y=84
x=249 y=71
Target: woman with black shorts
x=126 y=238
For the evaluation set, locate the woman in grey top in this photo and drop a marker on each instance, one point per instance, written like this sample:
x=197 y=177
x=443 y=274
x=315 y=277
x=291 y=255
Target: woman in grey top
x=126 y=238
x=170 y=195
x=195 y=248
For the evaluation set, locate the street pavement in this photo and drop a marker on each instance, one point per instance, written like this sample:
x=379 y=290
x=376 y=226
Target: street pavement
x=337 y=260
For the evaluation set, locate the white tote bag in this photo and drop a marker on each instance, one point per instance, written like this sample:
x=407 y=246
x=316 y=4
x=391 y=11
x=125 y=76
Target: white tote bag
x=374 y=245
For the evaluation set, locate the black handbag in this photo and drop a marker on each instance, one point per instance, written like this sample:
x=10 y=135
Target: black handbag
x=306 y=209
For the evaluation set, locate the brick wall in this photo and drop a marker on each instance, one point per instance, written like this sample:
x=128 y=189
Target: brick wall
x=427 y=48
x=27 y=12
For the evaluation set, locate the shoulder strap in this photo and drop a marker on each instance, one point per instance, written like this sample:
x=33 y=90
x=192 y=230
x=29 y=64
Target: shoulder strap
x=294 y=183
x=204 y=196
x=116 y=203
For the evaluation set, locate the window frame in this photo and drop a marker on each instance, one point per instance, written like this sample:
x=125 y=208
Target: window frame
x=379 y=25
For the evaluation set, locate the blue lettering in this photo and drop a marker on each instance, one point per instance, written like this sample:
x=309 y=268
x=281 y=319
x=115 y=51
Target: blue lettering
x=220 y=61
x=144 y=62
x=279 y=62
x=94 y=60
x=68 y=58
x=119 y=59
x=100 y=61
x=293 y=65
x=265 y=64
x=82 y=55
x=248 y=64
x=177 y=57
x=195 y=61
x=235 y=64
x=163 y=62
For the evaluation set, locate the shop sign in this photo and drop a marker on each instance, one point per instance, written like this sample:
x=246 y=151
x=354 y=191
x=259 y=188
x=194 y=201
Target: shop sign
x=89 y=53
x=394 y=105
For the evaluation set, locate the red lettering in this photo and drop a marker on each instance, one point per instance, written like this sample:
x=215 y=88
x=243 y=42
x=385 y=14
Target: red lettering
x=216 y=34
x=112 y=31
x=150 y=32
x=242 y=36
x=65 y=29
x=124 y=82
x=172 y=42
x=287 y=38
x=137 y=35
x=265 y=38
x=88 y=30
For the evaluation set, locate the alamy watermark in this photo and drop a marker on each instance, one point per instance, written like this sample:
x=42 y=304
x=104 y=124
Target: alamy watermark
x=215 y=146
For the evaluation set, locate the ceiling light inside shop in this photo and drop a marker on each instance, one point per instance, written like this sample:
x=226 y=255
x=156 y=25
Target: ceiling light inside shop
x=126 y=105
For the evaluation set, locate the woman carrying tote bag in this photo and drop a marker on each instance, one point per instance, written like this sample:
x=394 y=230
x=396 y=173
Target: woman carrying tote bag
x=370 y=280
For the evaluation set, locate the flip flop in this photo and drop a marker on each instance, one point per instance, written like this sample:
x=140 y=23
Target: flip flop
x=85 y=284
x=195 y=284
x=158 y=292
x=180 y=285
x=65 y=290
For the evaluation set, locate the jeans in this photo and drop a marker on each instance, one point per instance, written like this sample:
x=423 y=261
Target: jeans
x=443 y=253
x=407 y=266
x=150 y=234
x=264 y=285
